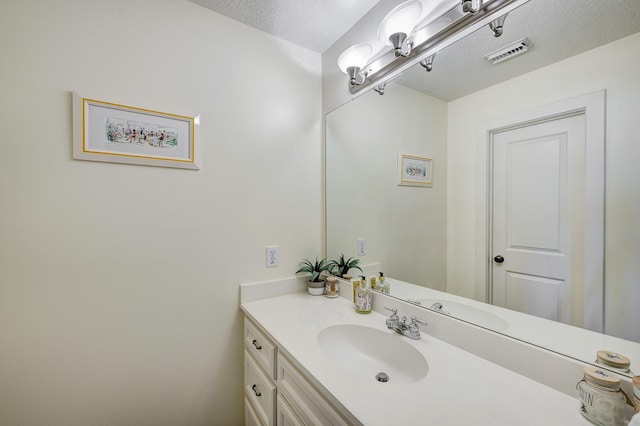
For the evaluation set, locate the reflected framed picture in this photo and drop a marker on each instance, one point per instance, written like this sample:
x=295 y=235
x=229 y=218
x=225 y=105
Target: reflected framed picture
x=116 y=133
x=414 y=170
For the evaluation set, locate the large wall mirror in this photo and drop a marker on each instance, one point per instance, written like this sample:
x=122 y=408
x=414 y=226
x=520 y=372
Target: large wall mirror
x=425 y=238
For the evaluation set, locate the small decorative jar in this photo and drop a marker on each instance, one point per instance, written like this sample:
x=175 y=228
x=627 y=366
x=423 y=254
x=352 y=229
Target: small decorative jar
x=602 y=402
x=331 y=288
x=636 y=393
x=614 y=360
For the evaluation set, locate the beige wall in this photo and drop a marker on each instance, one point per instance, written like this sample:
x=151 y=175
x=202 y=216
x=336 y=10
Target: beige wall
x=613 y=67
x=404 y=226
x=119 y=283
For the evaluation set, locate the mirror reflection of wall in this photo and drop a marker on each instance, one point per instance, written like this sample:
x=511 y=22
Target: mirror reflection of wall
x=405 y=226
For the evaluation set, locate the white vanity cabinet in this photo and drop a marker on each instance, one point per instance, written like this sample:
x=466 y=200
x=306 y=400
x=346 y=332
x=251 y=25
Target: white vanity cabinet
x=278 y=393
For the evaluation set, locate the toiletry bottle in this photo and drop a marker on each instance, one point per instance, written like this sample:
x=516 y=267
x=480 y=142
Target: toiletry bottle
x=354 y=286
x=374 y=284
x=364 y=298
x=383 y=285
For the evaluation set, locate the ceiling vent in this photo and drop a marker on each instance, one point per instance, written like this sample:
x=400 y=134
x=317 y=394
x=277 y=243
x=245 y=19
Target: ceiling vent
x=507 y=52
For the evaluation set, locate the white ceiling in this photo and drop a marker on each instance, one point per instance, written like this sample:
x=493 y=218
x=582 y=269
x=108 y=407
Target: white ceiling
x=314 y=24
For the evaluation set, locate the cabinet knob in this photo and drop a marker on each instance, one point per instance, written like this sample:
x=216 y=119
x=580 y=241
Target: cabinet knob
x=255 y=343
x=498 y=259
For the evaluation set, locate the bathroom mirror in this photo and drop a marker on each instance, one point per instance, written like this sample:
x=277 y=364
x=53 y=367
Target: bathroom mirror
x=424 y=238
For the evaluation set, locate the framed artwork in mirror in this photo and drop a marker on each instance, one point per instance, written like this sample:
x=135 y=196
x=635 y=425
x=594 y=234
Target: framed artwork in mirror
x=116 y=133
x=414 y=170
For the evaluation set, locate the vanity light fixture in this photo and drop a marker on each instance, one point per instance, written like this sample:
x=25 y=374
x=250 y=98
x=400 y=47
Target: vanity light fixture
x=398 y=25
x=352 y=61
x=380 y=88
x=416 y=39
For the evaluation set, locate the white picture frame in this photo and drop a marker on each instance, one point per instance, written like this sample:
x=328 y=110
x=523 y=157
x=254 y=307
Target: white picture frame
x=116 y=133
x=414 y=170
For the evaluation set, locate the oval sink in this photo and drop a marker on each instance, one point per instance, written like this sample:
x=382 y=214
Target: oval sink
x=469 y=313
x=368 y=351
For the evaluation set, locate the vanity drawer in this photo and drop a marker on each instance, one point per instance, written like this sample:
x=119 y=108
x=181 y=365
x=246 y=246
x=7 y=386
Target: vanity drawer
x=260 y=347
x=259 y=391
x=311 y=407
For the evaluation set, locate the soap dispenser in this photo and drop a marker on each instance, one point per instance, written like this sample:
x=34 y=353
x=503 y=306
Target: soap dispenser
x=383 y=285
x=364 y=298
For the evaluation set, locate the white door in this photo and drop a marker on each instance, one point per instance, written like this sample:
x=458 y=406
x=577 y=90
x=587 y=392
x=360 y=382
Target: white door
x=537 y=221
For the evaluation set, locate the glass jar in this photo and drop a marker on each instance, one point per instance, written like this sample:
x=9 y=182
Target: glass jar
x=601 y=400
x=331 y=288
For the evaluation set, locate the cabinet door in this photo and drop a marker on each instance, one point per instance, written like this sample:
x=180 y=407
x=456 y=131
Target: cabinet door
x=250 y=415
x=260 y=391
x=307 y=402
x=286 y=415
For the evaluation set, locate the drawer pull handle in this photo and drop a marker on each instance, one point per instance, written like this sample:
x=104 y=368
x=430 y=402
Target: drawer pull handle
x=256 y=390
x=255 y=343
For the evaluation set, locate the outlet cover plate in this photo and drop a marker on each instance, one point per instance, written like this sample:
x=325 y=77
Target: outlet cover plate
x=273 y=256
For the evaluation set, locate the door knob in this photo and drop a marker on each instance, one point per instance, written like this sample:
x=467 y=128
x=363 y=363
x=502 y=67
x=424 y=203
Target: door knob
x=498 y=259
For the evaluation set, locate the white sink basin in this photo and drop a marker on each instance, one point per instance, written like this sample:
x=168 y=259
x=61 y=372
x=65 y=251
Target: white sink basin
x=368 y=351
x=469 y=313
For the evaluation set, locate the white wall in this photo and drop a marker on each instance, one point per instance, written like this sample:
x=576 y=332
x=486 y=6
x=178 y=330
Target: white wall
x=613 y=67
x=404 y=226
x=119 y=283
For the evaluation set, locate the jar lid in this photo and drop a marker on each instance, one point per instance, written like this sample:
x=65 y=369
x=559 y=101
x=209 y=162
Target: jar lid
x=601 y=377
x=332 y=279
x=613 y=359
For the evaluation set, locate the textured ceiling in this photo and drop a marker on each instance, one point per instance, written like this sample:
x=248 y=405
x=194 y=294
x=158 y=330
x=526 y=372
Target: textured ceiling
x=314 y=24
x=557 y=30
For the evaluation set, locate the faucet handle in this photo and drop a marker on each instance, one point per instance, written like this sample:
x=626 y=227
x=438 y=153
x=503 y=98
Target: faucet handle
x=414 y=328
x=394 y=312
x=416 y=321
x=393 y=318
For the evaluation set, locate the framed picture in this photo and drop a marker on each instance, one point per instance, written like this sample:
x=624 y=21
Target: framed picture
x=106 y=131
x=414 y=170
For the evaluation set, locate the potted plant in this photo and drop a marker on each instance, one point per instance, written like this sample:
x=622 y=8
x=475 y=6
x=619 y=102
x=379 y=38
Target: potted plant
x=315 y=286
x=341 y=266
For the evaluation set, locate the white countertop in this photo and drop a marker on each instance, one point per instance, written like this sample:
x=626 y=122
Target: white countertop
x=459 y=389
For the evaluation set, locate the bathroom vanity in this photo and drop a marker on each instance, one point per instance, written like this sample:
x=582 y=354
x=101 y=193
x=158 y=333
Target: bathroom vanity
x=313 y=360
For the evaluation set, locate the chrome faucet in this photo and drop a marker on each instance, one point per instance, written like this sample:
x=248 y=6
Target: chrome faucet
x=411 y=330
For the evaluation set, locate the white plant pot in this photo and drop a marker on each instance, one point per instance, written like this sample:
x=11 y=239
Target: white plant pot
x=315 y=288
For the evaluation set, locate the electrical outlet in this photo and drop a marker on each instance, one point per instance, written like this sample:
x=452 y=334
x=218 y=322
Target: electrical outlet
x=273 y=256
x=362 y=246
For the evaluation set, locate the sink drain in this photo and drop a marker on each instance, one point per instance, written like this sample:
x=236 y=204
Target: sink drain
x=382 y=377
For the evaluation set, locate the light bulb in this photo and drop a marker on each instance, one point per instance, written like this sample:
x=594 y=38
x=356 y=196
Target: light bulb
x=355 y=56
x=402 y=19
